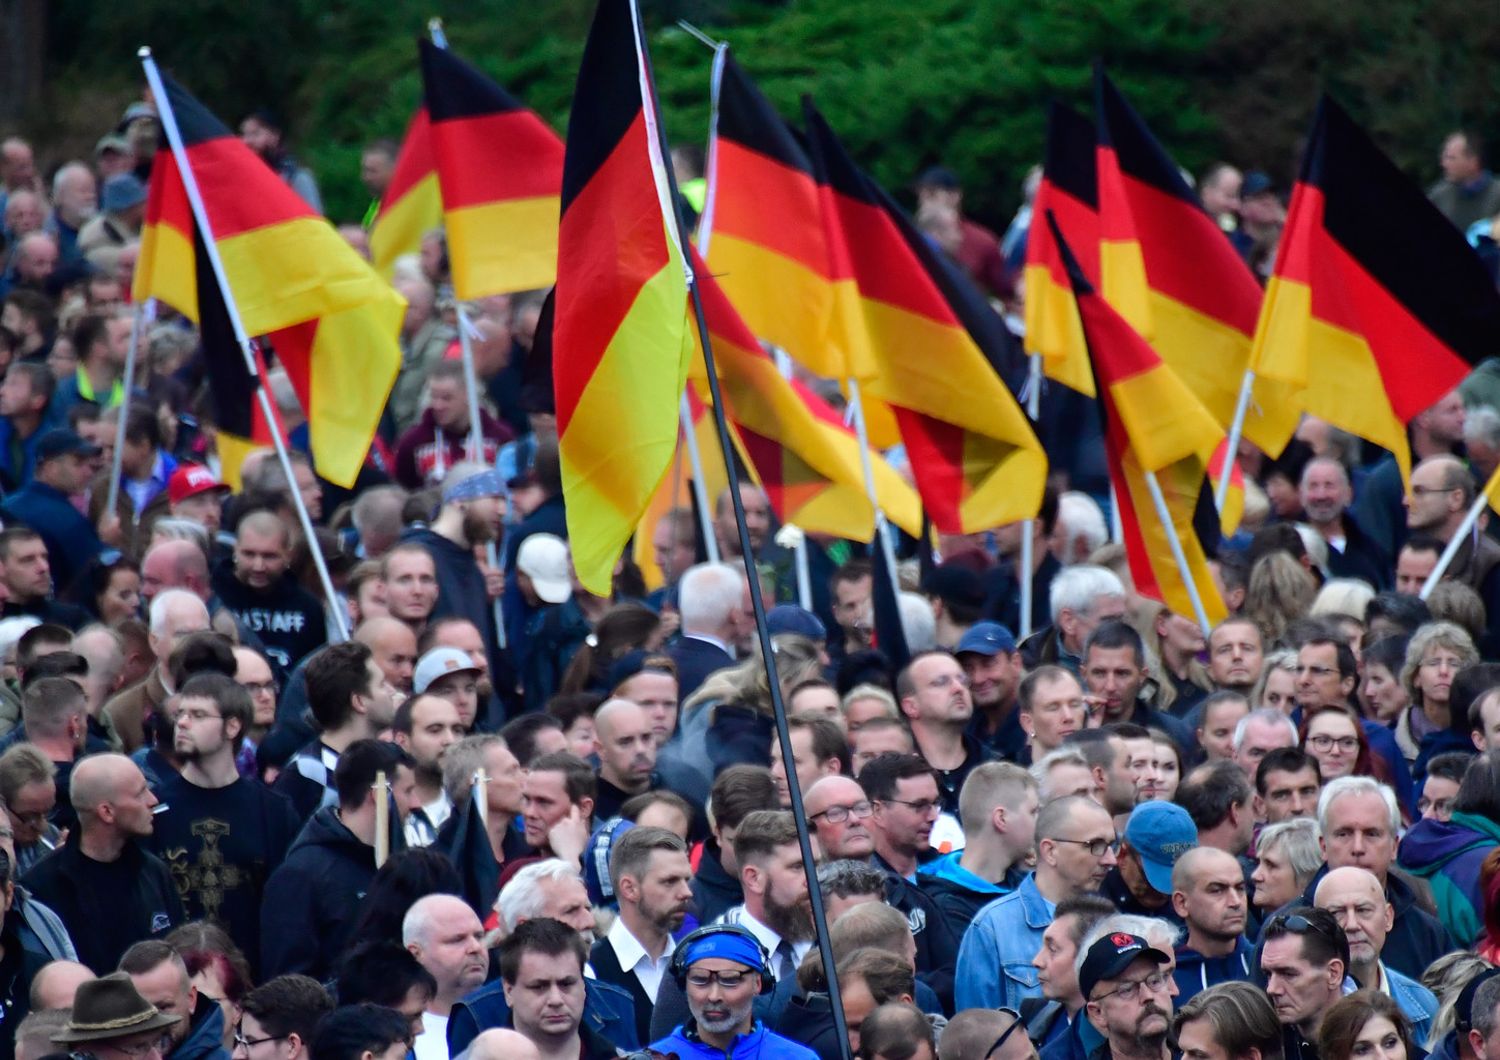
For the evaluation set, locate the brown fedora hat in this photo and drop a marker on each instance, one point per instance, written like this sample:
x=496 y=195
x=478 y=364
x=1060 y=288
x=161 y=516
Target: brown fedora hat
x=110 y=1008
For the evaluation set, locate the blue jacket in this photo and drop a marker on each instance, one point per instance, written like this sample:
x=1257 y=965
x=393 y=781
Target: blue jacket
x=1196 y=973
x=1418 y=1003
x=70 y=538
x=1449 y=855
x=205 y=1040
x=12 y=475
x=759 y=1044
x=960 y=894
x=607 y=1010
x=994 y=959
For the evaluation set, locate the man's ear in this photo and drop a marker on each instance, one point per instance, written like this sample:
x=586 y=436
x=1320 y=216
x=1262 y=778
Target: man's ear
x=1179 y=904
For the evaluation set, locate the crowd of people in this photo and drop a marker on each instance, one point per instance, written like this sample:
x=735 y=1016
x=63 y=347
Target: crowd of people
x=507 y=818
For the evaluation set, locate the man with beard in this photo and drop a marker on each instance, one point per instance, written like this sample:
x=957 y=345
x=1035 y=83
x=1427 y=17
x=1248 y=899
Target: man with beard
x=425 y=727
x=1304 y=956
x=1208 y=892
x=1129 y=998
x=264 y=595
x=626 y=747
x=221 y=835
x=776 y=910
x=721 y=969
x=652 y=880
x=447 y=939
x=472 y=515
x=1326 y=498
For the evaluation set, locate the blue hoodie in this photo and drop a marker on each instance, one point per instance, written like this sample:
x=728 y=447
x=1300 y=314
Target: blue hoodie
x=1195 y=973
x=959 y=893
x=1449 y=855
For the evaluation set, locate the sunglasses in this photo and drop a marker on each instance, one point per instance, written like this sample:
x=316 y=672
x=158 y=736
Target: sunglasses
x=1015 y=1022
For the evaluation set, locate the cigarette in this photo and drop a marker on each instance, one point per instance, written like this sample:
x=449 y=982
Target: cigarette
x=160 y=807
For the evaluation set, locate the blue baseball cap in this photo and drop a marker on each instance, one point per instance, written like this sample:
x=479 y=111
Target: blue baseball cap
x=789 y=618
x=1160 y=833
x=63 y=441
x=596 y=861
x=986 y=638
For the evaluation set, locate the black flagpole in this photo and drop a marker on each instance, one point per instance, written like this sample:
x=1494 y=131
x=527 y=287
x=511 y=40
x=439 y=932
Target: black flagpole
x=757 y=602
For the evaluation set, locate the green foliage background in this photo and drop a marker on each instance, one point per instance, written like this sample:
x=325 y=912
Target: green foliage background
x=906 y=82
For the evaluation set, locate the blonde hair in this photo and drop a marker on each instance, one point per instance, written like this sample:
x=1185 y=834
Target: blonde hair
x=748 y=683
x=1280 y=591
x=1285 y=659
x=1342 y=596
x=1435 y=635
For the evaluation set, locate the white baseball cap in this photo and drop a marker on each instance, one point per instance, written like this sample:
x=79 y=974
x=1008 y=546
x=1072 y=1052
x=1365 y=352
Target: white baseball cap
x=544 y=559
x=440 y=662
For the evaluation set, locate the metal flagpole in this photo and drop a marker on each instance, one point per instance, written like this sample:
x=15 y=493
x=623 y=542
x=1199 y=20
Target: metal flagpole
x=1028 y=526
x=1464 y=532
x=757 y=602
x=139 y=313
x=200 y=216
x=700 y=487
x=1232 y=447
x=1177 y=553
x=882 y=539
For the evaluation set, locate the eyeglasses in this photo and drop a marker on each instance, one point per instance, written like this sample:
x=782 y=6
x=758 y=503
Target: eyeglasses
x=241 y=1042
x=144 y=1049
x=1315 y=671
x=840 y=814
x=1095 y=847
x=728 y=980
x=922 y=807
x=199 y=715
x=256 y=688
x=1005 y=1034
x=1324 y=742
x=1154 y=982
x=1423 y=491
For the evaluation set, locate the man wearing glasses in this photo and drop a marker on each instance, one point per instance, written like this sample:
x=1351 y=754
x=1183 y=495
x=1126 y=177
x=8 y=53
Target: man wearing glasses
x=1129 y=997
x=840 y=816
x=278 y=1019
x=111 y=1021
x=721 y=970
x=1303 y=960
x=1076 y=846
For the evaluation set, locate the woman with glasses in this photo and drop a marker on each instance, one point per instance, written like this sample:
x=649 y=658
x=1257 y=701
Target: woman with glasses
x=1366 y=1025
x=1335 y=737
x=1437 y=652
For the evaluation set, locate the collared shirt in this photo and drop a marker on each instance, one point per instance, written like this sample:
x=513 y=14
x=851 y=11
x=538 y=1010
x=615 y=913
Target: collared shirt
x=769 y=939
x=424 y=823
x=723 y=645
x=634 y=958
x=142 y=491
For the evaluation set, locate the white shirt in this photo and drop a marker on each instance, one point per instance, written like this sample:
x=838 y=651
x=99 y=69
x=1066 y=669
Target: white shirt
x=432 y=1043
x=634 y=958
x=422 y=828
x=767 y=938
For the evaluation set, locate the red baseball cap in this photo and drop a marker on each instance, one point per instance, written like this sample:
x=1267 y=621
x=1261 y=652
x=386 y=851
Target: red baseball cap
x=189 y=480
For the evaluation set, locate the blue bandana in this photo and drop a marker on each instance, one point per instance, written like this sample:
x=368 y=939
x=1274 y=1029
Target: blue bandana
x=728 y=945
x=484 y=484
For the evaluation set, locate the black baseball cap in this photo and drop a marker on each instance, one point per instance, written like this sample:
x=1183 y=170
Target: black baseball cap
x=1111 y=955
x=1463 y=1008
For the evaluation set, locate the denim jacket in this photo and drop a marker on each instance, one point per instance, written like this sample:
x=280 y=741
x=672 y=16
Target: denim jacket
x=994 y=959
x=1418 y=1003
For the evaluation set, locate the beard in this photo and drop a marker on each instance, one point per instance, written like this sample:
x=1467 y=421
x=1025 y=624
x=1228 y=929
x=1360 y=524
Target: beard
x=477 y=529
x=1150 y=1044
x=794 y=922
x=723 y=1018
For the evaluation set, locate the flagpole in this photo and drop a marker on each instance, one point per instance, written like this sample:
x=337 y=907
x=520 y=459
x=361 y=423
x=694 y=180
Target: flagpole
x=1465 y=528
x=883 y=541
x=211 y=246
x=1178 y=554
x=1232 y=447
x=138 y=313
x=700 y=487
x=1028 y=527
x=752 y=576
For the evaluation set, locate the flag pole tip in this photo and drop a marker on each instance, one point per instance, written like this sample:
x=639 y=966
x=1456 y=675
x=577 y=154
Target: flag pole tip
x=434 y=23
x=143 y=52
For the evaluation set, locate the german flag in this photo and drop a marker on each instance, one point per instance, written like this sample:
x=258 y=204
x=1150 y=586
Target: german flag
x=769 y=247
x=331 y=320
x=621 y=344
x=798 y=448
x=1134 y=386
x=976 y=461
x=412 y=205
x=1069 y=189
x=1167 y=268
x=1377 y=307
x=500 y=169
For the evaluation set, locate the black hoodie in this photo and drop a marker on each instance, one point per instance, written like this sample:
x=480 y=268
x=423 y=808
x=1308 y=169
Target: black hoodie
x=312 y=900
x=286 y=617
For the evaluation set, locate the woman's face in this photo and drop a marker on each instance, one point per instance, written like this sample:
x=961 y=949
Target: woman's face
x=1163 y=775
x=1333 y=739
x=1435 y=675
x=1275 y=882
x=1282 y=492
x=211 y=986
x=1382 y=695
x=121 y=598
x=1378 y=1040
x=1280 y=693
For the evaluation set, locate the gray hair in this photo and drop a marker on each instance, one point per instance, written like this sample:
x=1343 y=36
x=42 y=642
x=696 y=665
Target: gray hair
x=522 y=898
x=174 y=528
x=1160 y=934
x=708 y=594
x=1076 y=588
x=1081 y=519
x=1486 y=1001
x=415 y=923
x=846 y=878
x=65 y=171
x=379 y=509
x=1265 y=716
x=164 y=601
x=1071 y=756
x=1482 y=424
x=918 y=622
x=1300 y=842
x=1337 y=789
x=460 y=762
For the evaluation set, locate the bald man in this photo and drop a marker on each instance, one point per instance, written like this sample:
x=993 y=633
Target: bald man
x=179 y=564
x=1208 y=893
x=447 y=939
x=848 y=836
x=107 y=889
x=263 y=594
x=174 y=613
x=55 y=983
x=626 y=746
x=394 y=646
x=1357 y=901
x=502 y=1043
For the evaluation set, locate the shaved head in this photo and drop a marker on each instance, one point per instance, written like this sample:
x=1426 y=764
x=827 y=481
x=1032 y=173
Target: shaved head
x=99 y=778
x=1191 y=865
x=826 y=791
x=611 y=714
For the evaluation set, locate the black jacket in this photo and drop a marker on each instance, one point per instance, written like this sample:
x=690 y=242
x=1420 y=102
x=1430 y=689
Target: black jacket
x=1361 y=558
x=937 y=945
x=607 y=970
x=312 y=900
x=106 y=907
x=695 y=660
x=715 y=892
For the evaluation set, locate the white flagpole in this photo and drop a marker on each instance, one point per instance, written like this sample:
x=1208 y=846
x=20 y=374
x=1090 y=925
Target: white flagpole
x=700 y=487
x=1465 y=530
x=1028 y=526
x=1231 y=449
x=882 y=538
x=200 y=217
x=139 y=313
x=1178 y=554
